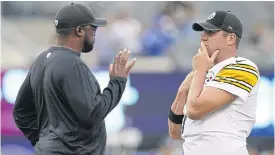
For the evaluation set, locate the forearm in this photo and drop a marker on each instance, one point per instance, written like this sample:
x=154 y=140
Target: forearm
x=195 y=90
x=174 y=130
x=93 y=108
x=177 y=108
x=179 y=102
x=26 y=121
x=84 y=96
x=110 y=97
x=29 y=129
x=24 y=112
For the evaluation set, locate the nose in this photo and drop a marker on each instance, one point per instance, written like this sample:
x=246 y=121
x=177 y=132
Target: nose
x=204 y=37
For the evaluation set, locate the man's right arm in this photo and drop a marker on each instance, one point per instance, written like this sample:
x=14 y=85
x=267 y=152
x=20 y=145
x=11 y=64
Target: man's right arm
x=177 y=108
x=24 y=112
x=83 y=96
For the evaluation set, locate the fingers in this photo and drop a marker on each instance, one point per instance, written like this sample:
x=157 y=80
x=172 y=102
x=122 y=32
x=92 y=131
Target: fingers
x=130 y=66
x=111 y=71
x=214 y=55
x=197 y=55
x=120 y=57
x=111 y=68
x=116 y=61
x=120 y=67
x=203 y=47
x=190 y=75
x=200 y=51
x=125 y=56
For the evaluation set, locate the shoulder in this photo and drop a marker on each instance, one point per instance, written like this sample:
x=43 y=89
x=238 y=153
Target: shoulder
x=72 y=65
x=245 y=62
x=240 y=72
x=237 y=75
x=63 y=65
x=240 y=65
x=235 y=61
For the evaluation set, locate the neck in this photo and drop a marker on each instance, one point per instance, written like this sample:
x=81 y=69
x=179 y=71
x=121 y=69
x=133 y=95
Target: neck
x=72 y=44
x=225 y=54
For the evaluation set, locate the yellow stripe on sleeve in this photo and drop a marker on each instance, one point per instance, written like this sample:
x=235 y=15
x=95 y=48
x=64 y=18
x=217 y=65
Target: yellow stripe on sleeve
x=246 y=66
x=239 y=85
x=239 y=75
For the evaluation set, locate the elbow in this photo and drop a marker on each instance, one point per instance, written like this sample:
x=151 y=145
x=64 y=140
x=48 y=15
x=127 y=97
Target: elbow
x=194 y=113
x=16 y=111
x=15 y=115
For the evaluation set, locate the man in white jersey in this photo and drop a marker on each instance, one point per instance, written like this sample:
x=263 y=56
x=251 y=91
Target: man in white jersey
x=220 y=102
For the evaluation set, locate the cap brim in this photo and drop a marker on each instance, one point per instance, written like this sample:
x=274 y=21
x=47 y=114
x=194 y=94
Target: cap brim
x=204 y=26
x=100 y=22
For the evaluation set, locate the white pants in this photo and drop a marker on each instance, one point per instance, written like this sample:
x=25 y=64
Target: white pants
x=217 y=152
x=229 y=149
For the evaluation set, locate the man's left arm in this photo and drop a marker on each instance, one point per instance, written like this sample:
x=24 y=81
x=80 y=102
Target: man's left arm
x=231 y=82
x=24 y=112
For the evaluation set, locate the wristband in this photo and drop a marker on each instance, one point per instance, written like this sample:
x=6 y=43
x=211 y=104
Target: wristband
x=177 y=119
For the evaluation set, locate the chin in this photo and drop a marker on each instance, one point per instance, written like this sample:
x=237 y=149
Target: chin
x=209 y=50
x=210 y=53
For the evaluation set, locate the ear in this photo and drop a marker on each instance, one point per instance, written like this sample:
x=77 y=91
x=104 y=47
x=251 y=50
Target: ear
x=79 y=32
x=231 y=39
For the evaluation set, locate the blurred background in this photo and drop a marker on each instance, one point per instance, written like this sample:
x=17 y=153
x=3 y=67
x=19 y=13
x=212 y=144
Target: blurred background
x=159 y=34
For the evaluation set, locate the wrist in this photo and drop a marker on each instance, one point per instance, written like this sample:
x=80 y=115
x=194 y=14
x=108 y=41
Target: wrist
x=174 y=108
x=181 y=94
x=123 y=79
x=200 y=71
x=177 y=119
x=177 y=111
x=180 y=103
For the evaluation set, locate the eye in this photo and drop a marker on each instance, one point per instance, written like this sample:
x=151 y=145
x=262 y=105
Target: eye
x=94 y=27
x=209 y=32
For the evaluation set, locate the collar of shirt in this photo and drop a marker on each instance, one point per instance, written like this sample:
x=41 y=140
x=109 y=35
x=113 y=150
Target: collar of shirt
x=65 y=48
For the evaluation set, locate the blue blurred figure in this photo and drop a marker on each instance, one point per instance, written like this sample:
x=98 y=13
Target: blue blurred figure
x=159 y=37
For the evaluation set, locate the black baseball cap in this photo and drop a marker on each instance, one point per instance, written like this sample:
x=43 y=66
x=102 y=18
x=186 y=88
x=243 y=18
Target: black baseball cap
x=221 y=20
x=73 y=15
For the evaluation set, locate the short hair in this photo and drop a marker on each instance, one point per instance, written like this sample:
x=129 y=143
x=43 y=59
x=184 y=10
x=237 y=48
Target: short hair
x=225 y=34
x=237 y=42
x=64 y=32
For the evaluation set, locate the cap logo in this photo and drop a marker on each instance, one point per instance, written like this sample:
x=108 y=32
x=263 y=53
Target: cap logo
x=212 y=15
x=56 y=22
x=230 y=27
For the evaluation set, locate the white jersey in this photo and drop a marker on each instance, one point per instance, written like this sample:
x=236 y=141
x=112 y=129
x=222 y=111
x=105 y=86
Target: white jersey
x=224 y=131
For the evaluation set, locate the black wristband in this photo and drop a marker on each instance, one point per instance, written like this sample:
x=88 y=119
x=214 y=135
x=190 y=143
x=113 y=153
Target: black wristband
x=177 y=119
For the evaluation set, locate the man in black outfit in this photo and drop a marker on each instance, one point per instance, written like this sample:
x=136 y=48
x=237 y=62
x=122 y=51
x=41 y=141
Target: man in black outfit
x=60 y=107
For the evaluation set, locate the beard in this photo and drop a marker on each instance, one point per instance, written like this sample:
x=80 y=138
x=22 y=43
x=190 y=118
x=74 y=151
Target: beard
x=88 y=46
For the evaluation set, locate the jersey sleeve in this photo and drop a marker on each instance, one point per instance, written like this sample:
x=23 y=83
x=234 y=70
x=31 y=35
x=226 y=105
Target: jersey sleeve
x=83 y=95
x=237 y=79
